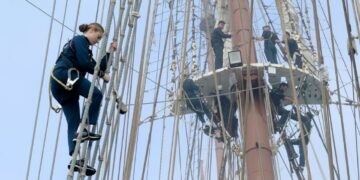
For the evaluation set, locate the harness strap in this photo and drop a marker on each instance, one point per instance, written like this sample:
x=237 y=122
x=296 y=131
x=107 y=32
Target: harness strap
x=69 y=83
x=56 y=109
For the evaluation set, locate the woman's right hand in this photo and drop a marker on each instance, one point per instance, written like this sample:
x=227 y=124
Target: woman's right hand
x=106 y=77
x=113 y=46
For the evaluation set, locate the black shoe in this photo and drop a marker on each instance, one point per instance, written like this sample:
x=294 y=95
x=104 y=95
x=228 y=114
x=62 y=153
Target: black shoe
x=79 y=164
x=277 y=128
x=293 y=141
x=85 y=135
x=300 y=168
x=121 y=106
x=206 y=130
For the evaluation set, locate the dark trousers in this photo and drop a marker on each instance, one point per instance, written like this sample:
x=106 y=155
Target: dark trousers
x=228 y=110
x=199 y=108
x=270 y=53
x=298 y=61
x=296 y=58
x=218 y=51
x=301 y=149
x=69 y=101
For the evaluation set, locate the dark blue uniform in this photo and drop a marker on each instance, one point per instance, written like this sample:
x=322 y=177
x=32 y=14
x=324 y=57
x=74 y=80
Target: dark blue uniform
x=217 y=44
x=293 y=47
x=276 y=95
x=193 y=102
x=228 y=110
x=269 y=46
x=306 y=123
x=76 y=54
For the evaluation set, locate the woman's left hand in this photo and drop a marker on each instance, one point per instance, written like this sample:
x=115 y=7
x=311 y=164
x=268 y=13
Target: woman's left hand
x=106 y=77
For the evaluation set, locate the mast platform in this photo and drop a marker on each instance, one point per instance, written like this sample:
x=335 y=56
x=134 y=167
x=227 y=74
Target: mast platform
x=307 y=85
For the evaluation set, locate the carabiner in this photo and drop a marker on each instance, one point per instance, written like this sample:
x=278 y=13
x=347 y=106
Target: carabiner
x=69 y=82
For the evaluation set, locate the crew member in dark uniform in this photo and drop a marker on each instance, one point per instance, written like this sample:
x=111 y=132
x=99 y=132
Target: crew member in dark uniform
x=294 y=50
x=306 y=124
x=68 y=82
x=217 y=43
x=191 y=91
x=270 y=39
x=228 y=109
x=277 y=95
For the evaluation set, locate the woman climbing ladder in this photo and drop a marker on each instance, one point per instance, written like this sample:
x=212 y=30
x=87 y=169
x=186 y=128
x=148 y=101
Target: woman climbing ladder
x=68 y=82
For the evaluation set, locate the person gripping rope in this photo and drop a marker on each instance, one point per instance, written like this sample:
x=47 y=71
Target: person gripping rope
x=68 y=83
x=277 y=96
x=306 y=125
x=217 y=43
x=270 y=40
x=191 y=91
x=294 y=51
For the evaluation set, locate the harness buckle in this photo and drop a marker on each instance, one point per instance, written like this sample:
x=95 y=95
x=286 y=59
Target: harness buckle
x=70 y=82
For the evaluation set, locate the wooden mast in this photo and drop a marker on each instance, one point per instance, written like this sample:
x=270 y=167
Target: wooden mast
x=257 y=152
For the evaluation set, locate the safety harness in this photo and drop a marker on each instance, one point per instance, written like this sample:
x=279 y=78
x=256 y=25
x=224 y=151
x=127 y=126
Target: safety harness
x=69 y=82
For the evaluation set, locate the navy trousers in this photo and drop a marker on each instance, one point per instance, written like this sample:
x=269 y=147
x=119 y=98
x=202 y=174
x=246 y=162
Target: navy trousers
x=218 y=51
x=301 y=149
x=228 y=111
x=69 y=101
x=270 y=53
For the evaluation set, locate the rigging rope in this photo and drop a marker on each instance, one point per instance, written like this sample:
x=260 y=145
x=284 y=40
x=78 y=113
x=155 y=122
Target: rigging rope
x=138 y=101
x=127 y=116
x=89 y=99
x=117 y=119
x=324 y=91
x=153 y=114
x=166 y=98
x=351 y=53
x=44 y=140
x=61 y=115
x=40 y=91
x=56 y=110
x=115 y=69
x=128 y=54
x=295 y=98
x=114 y=86
x=334 y=61
x=180 y=89
x=49 y=15
x=55 y=148
x=77 y=17
x=126 y=121
x=317 y=160
x=344 y=90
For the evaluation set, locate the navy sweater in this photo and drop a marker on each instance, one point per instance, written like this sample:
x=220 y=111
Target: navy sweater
x=269 y=39
x=217 y=37
x=78 y=53
x=190 y=88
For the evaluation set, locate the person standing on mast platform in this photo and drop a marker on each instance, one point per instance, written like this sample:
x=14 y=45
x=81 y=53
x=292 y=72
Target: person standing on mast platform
x=270 y=39
x=217 y=43
x=68 y=82
x=294 y=50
